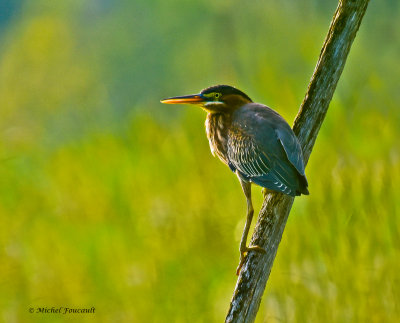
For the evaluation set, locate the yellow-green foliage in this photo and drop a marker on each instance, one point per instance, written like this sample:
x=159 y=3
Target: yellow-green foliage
x=110 y=199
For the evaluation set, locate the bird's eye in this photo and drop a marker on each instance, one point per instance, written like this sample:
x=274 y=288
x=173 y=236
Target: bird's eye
x=217 y=95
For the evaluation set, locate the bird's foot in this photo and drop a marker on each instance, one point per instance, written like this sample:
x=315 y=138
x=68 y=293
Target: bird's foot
x=243 y=254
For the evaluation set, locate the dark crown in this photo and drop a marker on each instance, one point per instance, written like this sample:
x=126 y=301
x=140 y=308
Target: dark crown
x=224 y=90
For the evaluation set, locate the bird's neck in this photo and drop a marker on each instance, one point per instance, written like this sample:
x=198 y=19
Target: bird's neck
x=217 y=125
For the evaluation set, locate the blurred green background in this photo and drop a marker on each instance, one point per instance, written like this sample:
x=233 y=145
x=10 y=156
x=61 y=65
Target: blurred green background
x=110 y=199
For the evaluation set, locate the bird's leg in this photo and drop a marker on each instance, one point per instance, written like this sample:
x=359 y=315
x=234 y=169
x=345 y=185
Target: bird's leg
x=246 y=186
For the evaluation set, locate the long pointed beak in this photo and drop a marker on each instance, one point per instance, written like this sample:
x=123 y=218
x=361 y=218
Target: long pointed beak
x=189 y=99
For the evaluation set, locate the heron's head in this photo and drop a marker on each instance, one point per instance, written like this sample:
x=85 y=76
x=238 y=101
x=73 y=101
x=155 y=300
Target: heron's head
x=217 y=98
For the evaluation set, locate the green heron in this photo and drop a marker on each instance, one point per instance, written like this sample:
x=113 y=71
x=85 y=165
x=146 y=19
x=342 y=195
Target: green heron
x=254 y=141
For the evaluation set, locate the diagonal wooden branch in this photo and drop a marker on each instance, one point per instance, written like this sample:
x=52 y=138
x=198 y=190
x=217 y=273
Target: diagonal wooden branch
x=276 y=207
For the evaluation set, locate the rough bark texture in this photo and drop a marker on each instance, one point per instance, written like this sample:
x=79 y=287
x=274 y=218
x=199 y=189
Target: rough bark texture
x=276 y=207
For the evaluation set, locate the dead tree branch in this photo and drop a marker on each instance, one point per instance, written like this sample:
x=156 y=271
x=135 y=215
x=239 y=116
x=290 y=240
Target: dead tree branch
x=276 y=207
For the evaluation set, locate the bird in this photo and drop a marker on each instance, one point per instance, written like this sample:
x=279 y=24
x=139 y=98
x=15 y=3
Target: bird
x=255 y=142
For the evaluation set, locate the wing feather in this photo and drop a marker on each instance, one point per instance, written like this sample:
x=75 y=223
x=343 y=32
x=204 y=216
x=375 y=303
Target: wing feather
x=292 y=148
x=263 y=149
x=254 y=165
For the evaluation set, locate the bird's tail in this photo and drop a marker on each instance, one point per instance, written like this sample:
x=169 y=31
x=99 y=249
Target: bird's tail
x=303 y=186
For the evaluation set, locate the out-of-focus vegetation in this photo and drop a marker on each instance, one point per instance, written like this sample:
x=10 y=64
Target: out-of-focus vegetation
x=110 y=199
